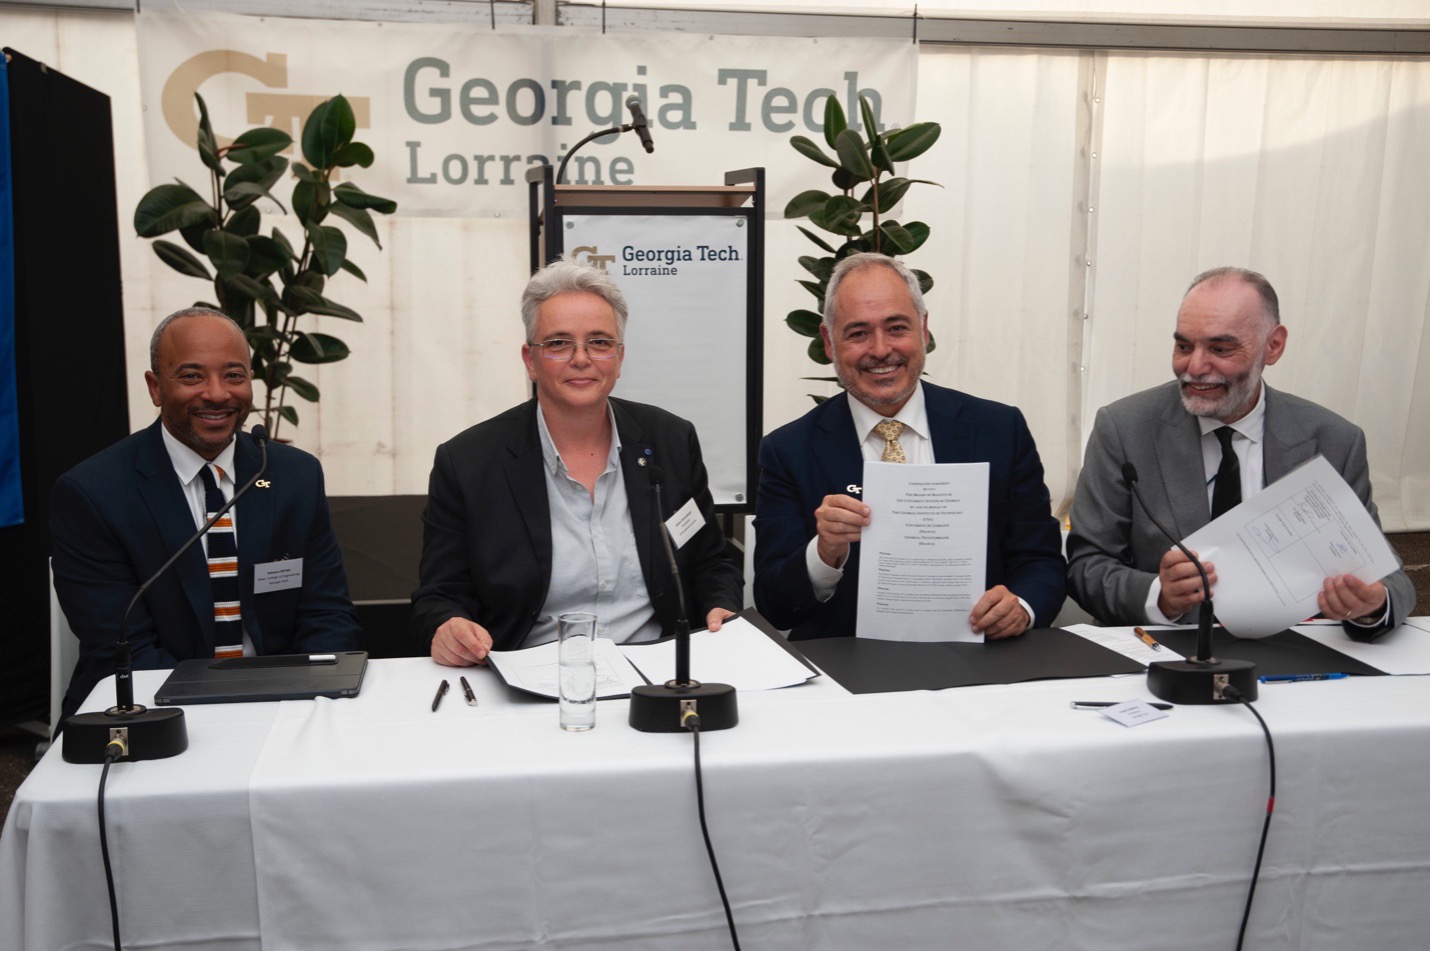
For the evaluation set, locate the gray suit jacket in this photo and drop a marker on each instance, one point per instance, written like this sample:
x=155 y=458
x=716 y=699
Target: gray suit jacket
x=1114 y=549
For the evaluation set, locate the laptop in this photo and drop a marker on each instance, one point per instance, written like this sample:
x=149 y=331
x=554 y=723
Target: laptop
x=278 y=677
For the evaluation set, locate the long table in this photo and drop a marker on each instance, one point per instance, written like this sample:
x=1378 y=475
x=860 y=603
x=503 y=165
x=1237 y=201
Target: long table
x=982 y=817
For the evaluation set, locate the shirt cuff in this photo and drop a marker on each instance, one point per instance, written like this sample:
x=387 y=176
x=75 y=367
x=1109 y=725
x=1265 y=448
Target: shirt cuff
x=1152 y=614
x=822 y=577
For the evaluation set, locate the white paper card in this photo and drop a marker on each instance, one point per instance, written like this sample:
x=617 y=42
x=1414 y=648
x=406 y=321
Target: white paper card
x=684 y=523
x=278 y=576
x=923 y=558
x=1130 y=713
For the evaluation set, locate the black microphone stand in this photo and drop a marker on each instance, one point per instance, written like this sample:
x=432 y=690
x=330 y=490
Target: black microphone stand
x=663 y=708
x=1201 y=679
x=638 y=125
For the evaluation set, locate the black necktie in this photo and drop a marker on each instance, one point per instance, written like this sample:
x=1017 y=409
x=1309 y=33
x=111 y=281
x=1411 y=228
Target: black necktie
x=223 y=572
x=1226 y=495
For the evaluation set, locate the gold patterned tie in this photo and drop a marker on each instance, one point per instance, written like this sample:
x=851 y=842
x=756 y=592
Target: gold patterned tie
x=890 y=430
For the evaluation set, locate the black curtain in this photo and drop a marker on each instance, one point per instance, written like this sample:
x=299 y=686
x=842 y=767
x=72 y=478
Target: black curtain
x=69 y=340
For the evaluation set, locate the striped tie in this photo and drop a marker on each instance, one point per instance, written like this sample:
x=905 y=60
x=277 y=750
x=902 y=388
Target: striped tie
x=223 y=571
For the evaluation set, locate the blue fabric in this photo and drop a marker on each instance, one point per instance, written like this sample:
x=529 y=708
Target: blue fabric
x=12 y=501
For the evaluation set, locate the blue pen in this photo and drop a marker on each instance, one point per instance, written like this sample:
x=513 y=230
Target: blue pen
x=1294 y=678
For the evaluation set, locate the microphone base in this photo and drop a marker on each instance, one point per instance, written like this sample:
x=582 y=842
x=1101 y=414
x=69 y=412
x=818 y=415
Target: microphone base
x=150 y=733
x=1201 y=682
x=657 y=708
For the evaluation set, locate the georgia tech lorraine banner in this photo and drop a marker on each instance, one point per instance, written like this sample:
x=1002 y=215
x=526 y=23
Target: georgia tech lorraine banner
x=456 y=113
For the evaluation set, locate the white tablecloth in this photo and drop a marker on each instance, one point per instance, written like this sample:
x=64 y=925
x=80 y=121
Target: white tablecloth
x=987 y=817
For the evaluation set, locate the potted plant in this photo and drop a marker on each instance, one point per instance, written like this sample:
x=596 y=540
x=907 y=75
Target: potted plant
x=858 y=162
x=266 y=283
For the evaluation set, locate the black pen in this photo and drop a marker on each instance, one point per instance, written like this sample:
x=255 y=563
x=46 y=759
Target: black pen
x=1099 y=704
x=467 y=689
x=441 y=690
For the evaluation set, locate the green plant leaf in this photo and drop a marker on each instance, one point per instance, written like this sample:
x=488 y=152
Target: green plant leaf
x=315 y=348
x=289 y=414
x=180 y=260
x=329 y=128
x=265 y=173
x=329 y=307
x=841 y=215
x=866 y=116
x=359 y=218
x=844 y=180
x=350 y=195
x=897 y=240
x=169 y=207
x=245 y=222
x=808 y=147
x=816 y=351
x=249 y=287
x=806 y=203
x=304 y=174
x=834 y=122
x=243 y=195
x=918 y=234
x=282 y=240
x=350 y=268
x=814 y=238
x=925 y=280
x=301 y=299
x=265 y=256
x=853 y=155
x=815 y=289
x=301 y=387
x=208 y=146
x=308 y=203
x=879 y=152
x=818 y=266
x=804 y=322
x=913 y=140
x=228 y=252
x=353 y=154
x=258 y=145
x=330 y=248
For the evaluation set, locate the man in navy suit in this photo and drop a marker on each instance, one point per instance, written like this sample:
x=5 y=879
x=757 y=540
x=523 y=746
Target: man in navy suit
x=116 y=517
x=807 y=518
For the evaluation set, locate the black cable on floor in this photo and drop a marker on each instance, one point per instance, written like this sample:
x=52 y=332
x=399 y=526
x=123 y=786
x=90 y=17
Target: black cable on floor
x=693 y=723
x=112 y=752
x=1265 y=825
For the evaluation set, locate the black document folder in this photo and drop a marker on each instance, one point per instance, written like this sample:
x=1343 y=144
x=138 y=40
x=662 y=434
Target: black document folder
x=1283 y=653
x=277 y=677
x=864 y=666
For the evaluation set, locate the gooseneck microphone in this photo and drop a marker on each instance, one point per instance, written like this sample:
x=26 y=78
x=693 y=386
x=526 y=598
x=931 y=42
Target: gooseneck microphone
x=639 y=123
x=154 y=733
x=663 y=708
x=1201 y=679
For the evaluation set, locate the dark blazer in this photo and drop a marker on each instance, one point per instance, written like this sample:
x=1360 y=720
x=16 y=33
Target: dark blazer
x=119 y=515
x=1114 y=549
x=486 y=544
x=819 y=454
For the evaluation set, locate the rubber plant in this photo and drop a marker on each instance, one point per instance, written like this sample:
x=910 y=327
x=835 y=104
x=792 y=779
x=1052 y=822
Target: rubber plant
x=266 y=283
x=855 y=214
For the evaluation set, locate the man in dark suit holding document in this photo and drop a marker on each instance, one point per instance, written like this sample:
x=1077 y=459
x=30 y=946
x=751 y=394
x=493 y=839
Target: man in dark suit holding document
x=1200 y=444
x=808 y=518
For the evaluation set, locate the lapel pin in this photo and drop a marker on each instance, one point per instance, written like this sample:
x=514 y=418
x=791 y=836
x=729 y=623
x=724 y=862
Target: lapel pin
x=641 y=462
x=264 y=483
x=853 y=489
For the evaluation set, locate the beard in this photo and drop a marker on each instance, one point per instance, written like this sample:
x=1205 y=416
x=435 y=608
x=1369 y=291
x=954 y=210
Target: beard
x=851 y=384
x=1235 y=402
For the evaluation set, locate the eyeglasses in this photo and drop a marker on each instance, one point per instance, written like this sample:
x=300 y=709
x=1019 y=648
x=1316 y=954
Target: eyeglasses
x=561 y=350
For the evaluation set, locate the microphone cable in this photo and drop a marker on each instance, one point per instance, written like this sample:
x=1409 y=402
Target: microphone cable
x=692 y=720
x=115 y=749
x=1235 y=695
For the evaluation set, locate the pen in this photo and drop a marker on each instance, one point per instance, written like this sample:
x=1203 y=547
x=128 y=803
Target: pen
x=1294 y=678
x=1099 y=704
x=467 y=689
x=1146 y=638
x=441 y=690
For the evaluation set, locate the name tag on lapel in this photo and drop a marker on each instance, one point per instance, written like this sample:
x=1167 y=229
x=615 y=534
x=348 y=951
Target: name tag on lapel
x=278 y=576
x=684 y=523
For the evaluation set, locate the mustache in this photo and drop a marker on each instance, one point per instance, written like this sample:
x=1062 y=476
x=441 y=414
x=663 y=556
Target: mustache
x=1203 y=380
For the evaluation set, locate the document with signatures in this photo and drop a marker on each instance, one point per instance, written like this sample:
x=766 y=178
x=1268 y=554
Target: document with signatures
x=923 y=558
x=1273 y=551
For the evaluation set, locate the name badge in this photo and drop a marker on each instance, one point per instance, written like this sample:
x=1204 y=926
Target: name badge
x=278 y=576
x=684 y=523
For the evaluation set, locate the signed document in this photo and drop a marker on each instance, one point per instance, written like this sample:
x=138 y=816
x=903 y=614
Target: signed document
x=924 y=555
x=1273 y=551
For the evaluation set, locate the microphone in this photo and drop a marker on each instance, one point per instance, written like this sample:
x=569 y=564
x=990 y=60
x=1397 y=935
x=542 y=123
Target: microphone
x=1201 y=679
x=665 y=708
x=639 y=122
x=85 y=735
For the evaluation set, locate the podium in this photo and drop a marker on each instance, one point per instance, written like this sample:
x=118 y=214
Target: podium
x=690 y=260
